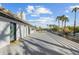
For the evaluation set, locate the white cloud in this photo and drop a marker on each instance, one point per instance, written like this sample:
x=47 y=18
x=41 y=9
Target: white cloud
x=42 y=21
x=42 y=10
x=67 y=11
x=30 y=9
x=74 y=6
x=37 y=10
x=67 y=16
x=34 y=15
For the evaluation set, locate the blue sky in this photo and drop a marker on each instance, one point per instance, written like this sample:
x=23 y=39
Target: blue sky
x=41 y=14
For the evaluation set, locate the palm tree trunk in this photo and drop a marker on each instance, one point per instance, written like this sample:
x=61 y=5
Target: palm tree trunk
x=64 y=24
x=58 y=23
x=74 y=25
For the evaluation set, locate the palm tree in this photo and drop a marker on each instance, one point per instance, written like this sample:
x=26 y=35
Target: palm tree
x=75 y=10
x=50 y=26
x=62 y=20
x=58 y=18
x=65 y=19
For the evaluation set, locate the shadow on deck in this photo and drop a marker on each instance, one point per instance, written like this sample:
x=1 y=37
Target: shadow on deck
x=69 y=36
x=43 y=49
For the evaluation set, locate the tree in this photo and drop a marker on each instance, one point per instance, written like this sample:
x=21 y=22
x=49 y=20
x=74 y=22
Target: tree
x=58 y=18
x=55 y=28
x=62 y=20
x=75 y=10
x=50 y=26
x=40 y=28
x=65 y=19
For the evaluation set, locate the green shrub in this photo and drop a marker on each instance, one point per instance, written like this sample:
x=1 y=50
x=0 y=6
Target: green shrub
x=77 y=29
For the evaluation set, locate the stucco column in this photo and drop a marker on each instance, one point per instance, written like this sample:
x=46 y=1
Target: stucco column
x=27 y=30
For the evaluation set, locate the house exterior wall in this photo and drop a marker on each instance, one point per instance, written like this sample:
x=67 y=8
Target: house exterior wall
x=4 y=33
x=31 y=30
x=28 y=27
x=22 y=31
x=25 y=32
x=18 y=31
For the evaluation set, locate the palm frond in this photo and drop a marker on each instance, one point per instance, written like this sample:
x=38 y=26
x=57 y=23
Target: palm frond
x=75 y=9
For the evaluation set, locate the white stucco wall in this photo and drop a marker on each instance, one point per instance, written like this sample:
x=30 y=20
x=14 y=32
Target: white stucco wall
x=22 y=31
x=4 y=33
x=18 y=36
x=26 y=30
x=32 y=30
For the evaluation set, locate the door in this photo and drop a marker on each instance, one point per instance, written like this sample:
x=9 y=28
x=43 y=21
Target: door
x=12 y=31
x=28 y=29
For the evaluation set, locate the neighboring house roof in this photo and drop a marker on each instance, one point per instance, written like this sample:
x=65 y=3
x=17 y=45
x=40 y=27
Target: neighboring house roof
x=10 y=15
